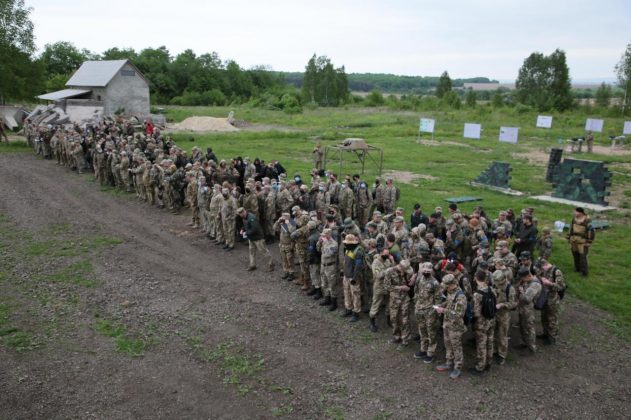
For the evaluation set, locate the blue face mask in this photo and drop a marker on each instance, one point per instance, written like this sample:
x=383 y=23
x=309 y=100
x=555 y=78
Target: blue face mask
x=321 y=189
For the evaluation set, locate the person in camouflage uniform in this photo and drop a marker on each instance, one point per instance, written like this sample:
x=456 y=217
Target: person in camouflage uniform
x=527 y=293
x=300 y=238
x=346 y=201
x=509 y=259
x=581 y=236
x=191 y=199
x=453 y=310
x=214 y=213
x=397 y=284
x=544 y=244
x=389 y=197
x=363 y=204
x=353 y=276
x=228 y=215
x=427 y=294
x=314 y=257
x=379 y=293
x=552 y=279
x=506 y=302
x=328 y=247
x=483 y=327
x=285 y=225
x=436 y=248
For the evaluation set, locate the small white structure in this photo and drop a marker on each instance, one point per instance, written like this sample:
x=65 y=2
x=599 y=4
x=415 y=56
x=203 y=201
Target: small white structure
x=112 y=85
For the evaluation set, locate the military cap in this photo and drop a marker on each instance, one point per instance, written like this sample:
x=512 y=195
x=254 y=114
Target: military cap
x=421 y=227
x=417 y=206
x=426 y=267
x=400 y=209
x=376 y=213
x=429 y=236
x=188 y=166
x=399 y=219
x=499 y=261
x=225 y=191
x=351 y=239
x=286 y=215
x=453 y=206
x=326 y=231
x=311 y=225
x=501 y=244
x=240 y=210
x=483 y=265
x=438 y=209
x=523 y=272
x=404 y=264
x=371 y=225
x=348 y=221
x=294 y=209
x=546 y=230
x=497 y=276
x=449 y=222
x=371 y=242
x=580 y=210
x=525 y=255
x=389 y=178
x=501 y=229
x=449 y=279
x=313 y=213
x=485 y=245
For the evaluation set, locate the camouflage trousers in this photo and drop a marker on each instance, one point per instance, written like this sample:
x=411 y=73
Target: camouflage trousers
x=329 y=275
x=314 y=274
x=427 y=322
x=484 y=330
x=195 y=215
x=501 y=332
x=228 y=226
x=150 y=194
x=363 y=214
x=367 y=288
x=452 y=336
x=400 y=315
x=550 y=318
x=259 y=245
x=79 y=162
x=379 y=296
x=218 y=226
x=527 y=326
x=287 y=258
x=352 y=295
x=301 y=255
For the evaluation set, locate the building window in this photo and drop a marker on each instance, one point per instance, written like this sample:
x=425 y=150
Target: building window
x=98 y=97
x=128 y=73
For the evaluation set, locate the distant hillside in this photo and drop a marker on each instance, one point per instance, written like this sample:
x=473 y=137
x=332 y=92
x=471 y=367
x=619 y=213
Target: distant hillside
x=389 y=83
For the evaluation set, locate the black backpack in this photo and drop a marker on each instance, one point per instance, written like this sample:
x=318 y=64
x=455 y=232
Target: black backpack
x=542 y=299
x=468 y=313
x=488 y=304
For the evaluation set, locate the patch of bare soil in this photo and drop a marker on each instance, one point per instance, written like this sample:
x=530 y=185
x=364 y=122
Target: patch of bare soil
x=245 y=126
x=203 y=124
x=233 y=344
x=408 y=177
x=442 y=143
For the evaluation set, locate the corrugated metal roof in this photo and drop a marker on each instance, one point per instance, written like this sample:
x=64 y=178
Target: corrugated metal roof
x=62 y=94
x=96 y=73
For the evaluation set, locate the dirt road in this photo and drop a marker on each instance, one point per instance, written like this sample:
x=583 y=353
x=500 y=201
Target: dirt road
x=218 y=342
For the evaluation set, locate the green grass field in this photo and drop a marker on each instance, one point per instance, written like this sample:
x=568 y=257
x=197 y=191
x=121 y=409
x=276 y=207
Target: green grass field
x=452 y=166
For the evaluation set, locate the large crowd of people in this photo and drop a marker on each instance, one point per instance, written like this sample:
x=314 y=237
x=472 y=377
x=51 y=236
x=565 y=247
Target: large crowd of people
x=450 y=270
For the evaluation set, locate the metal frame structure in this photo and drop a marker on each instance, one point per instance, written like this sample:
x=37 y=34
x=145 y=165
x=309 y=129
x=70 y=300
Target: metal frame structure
x=364 y=153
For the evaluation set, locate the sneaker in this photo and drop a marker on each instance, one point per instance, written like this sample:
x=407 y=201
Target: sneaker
x=420 y=354
x=454 y=374
x=443 y=368
x=428 y=359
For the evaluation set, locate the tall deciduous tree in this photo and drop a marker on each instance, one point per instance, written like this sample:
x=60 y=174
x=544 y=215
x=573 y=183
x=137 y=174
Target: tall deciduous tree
x=603 y=95
x=444 y=85
x=623 y=72
x=20 y=75
x=544 y=82
x=64 y=58
x=323 y=83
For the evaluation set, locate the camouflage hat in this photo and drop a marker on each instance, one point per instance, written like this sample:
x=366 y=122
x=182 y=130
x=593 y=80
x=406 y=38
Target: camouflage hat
x=225 y=191
x=500 y=229
x=240 y=210
x=404 y=264
x=295 y=209
x=371 y=225
x=438 y=209
x=348 y=222
x=449 y=222
x=449 y=279
x=498 y=276
x=429 y=236
x=351 y=239
x=188 y=166
x=326 y=231
x=546 y=230
x=400 y=209
x=399 y=219
x=313 y=213
x=501 y=244
x=485 y=244
x=525 y=255
x=286 y=215
x=422 y=228
x=376 y=213
x=499 y=261
x=371 y=242
x=311 y=225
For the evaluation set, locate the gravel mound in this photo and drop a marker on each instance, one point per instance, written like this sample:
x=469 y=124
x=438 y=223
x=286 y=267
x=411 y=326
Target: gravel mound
x=204 y=124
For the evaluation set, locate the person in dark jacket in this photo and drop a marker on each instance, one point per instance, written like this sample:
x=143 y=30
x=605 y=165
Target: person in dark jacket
x=256 y=238
x=526 y=237
x=417 y=217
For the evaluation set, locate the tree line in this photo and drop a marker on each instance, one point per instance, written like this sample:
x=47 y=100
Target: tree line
x=543 y=82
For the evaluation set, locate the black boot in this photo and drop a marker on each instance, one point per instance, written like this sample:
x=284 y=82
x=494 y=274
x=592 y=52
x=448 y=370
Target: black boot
x=373 y=325
x=326 y=301
x=318 y=294
x=290 y=277
x=312 y=292
x=347 y=313
x=354 y=317
x=577 y=261
x=388 y=323
x=333 y=305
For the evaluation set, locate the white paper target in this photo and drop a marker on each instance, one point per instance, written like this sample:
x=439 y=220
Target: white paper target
x=472 y=131
x=509 y=134
x=544 y=121
x=627 y=127
x=594 y=125
x=426 y=125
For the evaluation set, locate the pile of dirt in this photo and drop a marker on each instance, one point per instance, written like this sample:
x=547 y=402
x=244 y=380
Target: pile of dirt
x=202 y=124
x=408 y=177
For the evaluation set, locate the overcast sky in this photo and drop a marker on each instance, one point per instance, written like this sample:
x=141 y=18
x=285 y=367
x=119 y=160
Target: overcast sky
x=467 y=38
